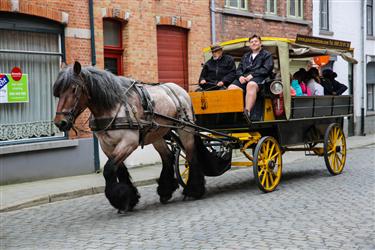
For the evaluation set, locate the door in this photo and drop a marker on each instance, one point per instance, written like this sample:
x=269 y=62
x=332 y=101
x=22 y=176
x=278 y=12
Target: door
x=172 y=55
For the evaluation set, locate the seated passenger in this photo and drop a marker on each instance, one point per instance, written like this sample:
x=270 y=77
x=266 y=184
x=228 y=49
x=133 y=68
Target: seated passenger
x=295 y=85
x=338 y=88
x=255 y=66
x=219 y=71
x=313 y=82
x=300 y=76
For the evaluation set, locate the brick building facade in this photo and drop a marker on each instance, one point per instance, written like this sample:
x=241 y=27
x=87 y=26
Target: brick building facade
x=277 y=18
x=143 y=26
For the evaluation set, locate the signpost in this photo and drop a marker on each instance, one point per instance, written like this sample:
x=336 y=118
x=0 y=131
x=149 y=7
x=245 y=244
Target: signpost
x=14 y=87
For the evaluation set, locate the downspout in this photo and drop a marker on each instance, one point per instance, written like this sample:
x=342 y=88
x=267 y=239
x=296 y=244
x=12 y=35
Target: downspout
x=213 y=23
x=363 y=67
x=93 y=63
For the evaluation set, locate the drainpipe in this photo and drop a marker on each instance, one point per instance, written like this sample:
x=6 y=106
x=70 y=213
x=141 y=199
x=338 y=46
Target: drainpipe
x=213 y=23
x=363 y=4
x=93 y=62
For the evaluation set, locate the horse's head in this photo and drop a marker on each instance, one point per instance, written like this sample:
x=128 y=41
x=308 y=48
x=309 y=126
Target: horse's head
x=71 y=89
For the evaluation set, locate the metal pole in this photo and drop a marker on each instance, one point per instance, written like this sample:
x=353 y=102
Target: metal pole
x=93 y=62
x=363 y=4
x=213 y=23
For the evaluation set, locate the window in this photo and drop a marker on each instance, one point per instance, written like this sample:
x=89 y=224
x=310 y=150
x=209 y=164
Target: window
x=237 y=4
x=370 y=17
x=324 y=15
x=113 y=49
x=271 y=7
x=38 y=55
x=370 y=97
x=295 y=8
x=370 y=80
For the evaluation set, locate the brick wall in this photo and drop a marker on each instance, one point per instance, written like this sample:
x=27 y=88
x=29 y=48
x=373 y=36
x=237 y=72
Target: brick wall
x=139 y=32
x=232 y=24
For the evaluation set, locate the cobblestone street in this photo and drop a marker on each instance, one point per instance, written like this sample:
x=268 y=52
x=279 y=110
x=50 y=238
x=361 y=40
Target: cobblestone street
x=310 y=209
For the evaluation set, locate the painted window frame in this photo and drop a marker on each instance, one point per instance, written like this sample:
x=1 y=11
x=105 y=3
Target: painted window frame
x=115 y=51
x=370 y=89
x=324 y=3
x=268 y=7
x=296 y=9
x=246 y=3
x=370 y=19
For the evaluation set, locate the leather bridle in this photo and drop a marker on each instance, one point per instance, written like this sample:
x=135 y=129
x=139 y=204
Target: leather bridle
x=79 y=89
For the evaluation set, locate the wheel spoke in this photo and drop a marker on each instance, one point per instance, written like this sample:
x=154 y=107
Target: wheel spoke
x=260 y=172
x=267 y=148
x=267 y=181
x=330 y=152
x=264 y=178
x=273 y=156
x=331 y=159
x=271 y=178
x=339 y=160
x=185 y=172
x=271 y=151
x=337 y=133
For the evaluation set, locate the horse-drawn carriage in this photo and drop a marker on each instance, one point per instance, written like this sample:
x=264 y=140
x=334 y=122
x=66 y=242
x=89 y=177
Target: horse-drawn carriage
x=192 y=144
x=313 y=124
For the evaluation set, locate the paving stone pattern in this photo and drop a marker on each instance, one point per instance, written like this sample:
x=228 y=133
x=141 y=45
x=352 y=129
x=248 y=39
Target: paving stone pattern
x=309 y=210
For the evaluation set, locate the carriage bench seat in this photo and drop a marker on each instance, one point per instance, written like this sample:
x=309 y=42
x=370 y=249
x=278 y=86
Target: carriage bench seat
x=219 y=109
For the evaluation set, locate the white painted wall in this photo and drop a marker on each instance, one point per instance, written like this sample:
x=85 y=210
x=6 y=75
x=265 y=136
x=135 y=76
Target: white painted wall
x=140 y=157
x=345 y=23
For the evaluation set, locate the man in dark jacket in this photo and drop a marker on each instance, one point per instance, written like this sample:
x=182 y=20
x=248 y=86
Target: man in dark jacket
x=219 y=71
x=337 y=87
x=255 y=66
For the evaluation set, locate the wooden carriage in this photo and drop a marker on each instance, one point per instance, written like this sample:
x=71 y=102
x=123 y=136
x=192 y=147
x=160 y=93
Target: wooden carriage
x=307 y=123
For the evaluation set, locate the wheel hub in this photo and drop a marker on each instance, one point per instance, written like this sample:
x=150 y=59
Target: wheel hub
x=271 y=164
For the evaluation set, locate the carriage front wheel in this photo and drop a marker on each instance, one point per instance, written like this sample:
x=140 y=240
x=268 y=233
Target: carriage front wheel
x=334 y=149
x=267 y=164
x=181 y=167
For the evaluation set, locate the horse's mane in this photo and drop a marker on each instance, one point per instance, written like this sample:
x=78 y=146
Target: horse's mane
x=105 y=89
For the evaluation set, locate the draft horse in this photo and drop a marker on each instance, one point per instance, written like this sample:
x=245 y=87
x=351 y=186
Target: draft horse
x=124 y=116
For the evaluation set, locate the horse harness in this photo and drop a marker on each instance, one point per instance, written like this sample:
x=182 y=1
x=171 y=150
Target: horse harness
x=131 y=120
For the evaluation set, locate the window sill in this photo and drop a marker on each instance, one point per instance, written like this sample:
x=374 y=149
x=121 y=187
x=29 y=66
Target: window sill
x=266 y=16
x=370 y=37
x=297 y=21
x=237 y=12
x=37 y=146
x=326 y=32
x=273 y=17
x=370 y=113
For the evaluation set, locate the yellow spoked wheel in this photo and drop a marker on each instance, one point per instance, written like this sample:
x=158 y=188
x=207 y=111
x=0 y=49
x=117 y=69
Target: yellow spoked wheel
x=267 y=164
x=334 y=149
x=181 y=167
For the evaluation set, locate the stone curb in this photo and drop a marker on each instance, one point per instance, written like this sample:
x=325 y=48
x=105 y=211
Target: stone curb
x=67 y=196
x=94 y=190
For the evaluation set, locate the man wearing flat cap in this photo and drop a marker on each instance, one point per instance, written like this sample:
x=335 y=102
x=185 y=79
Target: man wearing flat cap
x=219 y=71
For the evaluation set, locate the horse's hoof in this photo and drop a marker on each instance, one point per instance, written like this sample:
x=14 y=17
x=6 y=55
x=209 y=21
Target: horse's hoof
x=120 y=211
x=165 y=199
x=188 y=198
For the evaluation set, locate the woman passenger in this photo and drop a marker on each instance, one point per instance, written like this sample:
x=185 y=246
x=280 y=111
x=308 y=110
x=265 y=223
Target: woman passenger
x=313 y=82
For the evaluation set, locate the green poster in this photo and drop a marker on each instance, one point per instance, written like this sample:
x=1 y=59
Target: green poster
x=15 y=91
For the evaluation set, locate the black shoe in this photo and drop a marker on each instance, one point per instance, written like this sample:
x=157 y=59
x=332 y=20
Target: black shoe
x=247 y=115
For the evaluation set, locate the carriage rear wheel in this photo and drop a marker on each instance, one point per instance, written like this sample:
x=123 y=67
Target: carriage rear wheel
x=334 y=149
x=181 y=167
x=267 y=164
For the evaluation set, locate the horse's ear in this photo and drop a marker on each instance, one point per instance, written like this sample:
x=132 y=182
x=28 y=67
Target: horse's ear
x=77 y=68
